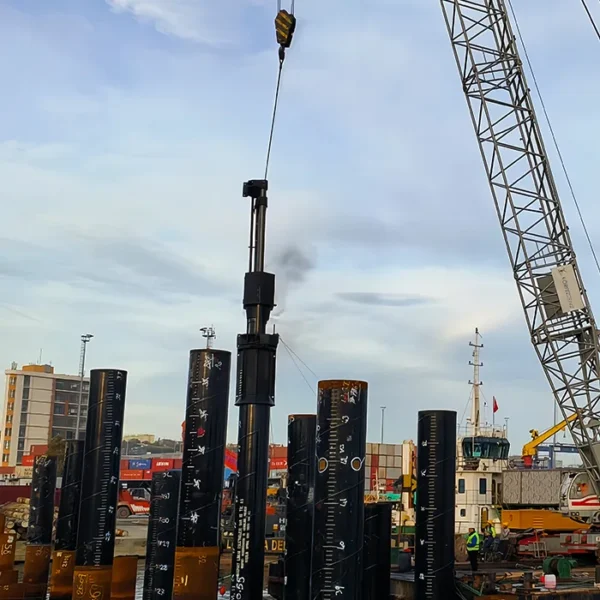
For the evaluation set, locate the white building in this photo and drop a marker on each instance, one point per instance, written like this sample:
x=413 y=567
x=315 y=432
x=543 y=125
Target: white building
x=39 y=405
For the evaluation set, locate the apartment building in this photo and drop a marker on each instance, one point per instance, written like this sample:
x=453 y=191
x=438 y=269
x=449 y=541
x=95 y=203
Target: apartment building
x=38 y=405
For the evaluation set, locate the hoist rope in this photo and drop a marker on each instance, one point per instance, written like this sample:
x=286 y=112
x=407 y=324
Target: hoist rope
x=555 y=141
x=277 y=89
x=273 y=118
x=591 y=18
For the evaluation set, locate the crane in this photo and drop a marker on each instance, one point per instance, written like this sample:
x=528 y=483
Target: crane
x=530 y=449
x=557 y=310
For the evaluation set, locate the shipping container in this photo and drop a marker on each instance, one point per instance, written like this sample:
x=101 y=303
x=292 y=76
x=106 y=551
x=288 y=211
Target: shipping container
x=162 y=464
x=177 y=463
x=38 y=449
x=27 y=460
x=147 y=474
x=131 y=475
x=277 y=464
x=531 y=488
x=231 y=459
x=140 y=464
x=278 y=451
x=124 y=464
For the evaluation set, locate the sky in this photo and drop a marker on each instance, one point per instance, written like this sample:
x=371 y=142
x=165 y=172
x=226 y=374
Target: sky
x=128 y=127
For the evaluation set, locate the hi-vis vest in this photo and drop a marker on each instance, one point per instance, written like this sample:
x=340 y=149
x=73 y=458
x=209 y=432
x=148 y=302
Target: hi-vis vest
x=473 y=542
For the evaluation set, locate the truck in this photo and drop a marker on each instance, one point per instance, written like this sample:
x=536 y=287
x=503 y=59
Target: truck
x=133 y=501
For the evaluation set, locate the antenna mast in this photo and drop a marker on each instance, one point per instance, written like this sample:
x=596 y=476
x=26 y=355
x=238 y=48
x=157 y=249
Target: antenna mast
x=209 y=334
x=476 y=383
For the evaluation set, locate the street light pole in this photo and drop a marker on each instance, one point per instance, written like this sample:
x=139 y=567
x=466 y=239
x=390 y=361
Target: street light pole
x=382 y=419
x=85 y=338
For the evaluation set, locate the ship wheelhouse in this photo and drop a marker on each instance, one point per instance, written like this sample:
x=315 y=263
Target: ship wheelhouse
x=474 y=448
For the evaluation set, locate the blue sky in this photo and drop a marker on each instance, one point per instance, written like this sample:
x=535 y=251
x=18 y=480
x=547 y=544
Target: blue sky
x=128 y=127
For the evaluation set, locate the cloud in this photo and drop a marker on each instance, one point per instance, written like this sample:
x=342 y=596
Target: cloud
x=122 y=166
x=376 y=299
x=194 y=20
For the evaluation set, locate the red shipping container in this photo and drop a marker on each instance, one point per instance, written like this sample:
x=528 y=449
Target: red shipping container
x=148 y=474
x=177 y=463
x=124 y=465
x=27 y=460
x=278 y=464
x=278 y=451
x=129 y=475
x=162 y=464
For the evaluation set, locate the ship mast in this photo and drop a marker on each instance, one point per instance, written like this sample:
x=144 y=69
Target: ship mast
x=476 y=383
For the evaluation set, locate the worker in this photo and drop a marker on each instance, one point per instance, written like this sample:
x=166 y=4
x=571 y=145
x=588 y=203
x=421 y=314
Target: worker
x=504 y=539
x=489 y=533
x=473 y=542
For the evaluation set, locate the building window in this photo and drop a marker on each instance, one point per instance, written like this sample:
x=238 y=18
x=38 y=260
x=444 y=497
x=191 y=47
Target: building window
x=22 y=430
x=64 y=421
x=73 y=411
x=12 y=380
x=25 y=406
x=7 y=445
x=59 y=409
x=483 y=486
x=461 y=486
x=20 y=445
x=8 y=432
x=25 y=393
x=463 y=512
x=20 y=457
x=70 y=434
x=11 y=394
x=9 y=418
x=67 y=386
x=10 y=406
x=27 y=380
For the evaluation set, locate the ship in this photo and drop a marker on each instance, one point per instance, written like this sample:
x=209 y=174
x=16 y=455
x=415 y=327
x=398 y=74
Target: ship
x=481 y=457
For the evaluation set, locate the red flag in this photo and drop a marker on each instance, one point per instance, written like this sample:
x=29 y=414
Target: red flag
x=495 y=406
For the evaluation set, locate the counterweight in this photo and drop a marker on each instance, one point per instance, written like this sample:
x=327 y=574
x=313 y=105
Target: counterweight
x=557 y=310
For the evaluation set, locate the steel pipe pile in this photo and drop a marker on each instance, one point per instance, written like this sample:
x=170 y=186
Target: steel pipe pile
x=197 y=552
x=339 y=490
x=39 y=530
x=255 y=395
x=377 y=551
x=100 y=485
x=124 y=575
x=300 y=505
x=162 y=536
x=63 y=557
x=434 y=531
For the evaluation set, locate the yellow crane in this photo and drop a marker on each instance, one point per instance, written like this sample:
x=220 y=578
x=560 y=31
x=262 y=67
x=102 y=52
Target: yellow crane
x=530 y=448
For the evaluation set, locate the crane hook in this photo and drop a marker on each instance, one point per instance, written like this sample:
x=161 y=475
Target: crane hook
x=285 y=25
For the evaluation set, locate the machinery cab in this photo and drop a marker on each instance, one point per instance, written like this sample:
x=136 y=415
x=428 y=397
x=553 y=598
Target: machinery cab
x=577 y=497
x=476 y=448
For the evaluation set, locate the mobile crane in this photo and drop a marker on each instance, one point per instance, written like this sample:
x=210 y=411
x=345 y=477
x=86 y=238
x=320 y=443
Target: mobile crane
x=557 y=310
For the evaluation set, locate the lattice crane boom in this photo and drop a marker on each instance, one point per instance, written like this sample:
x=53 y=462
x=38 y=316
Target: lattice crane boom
x=556 y=306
